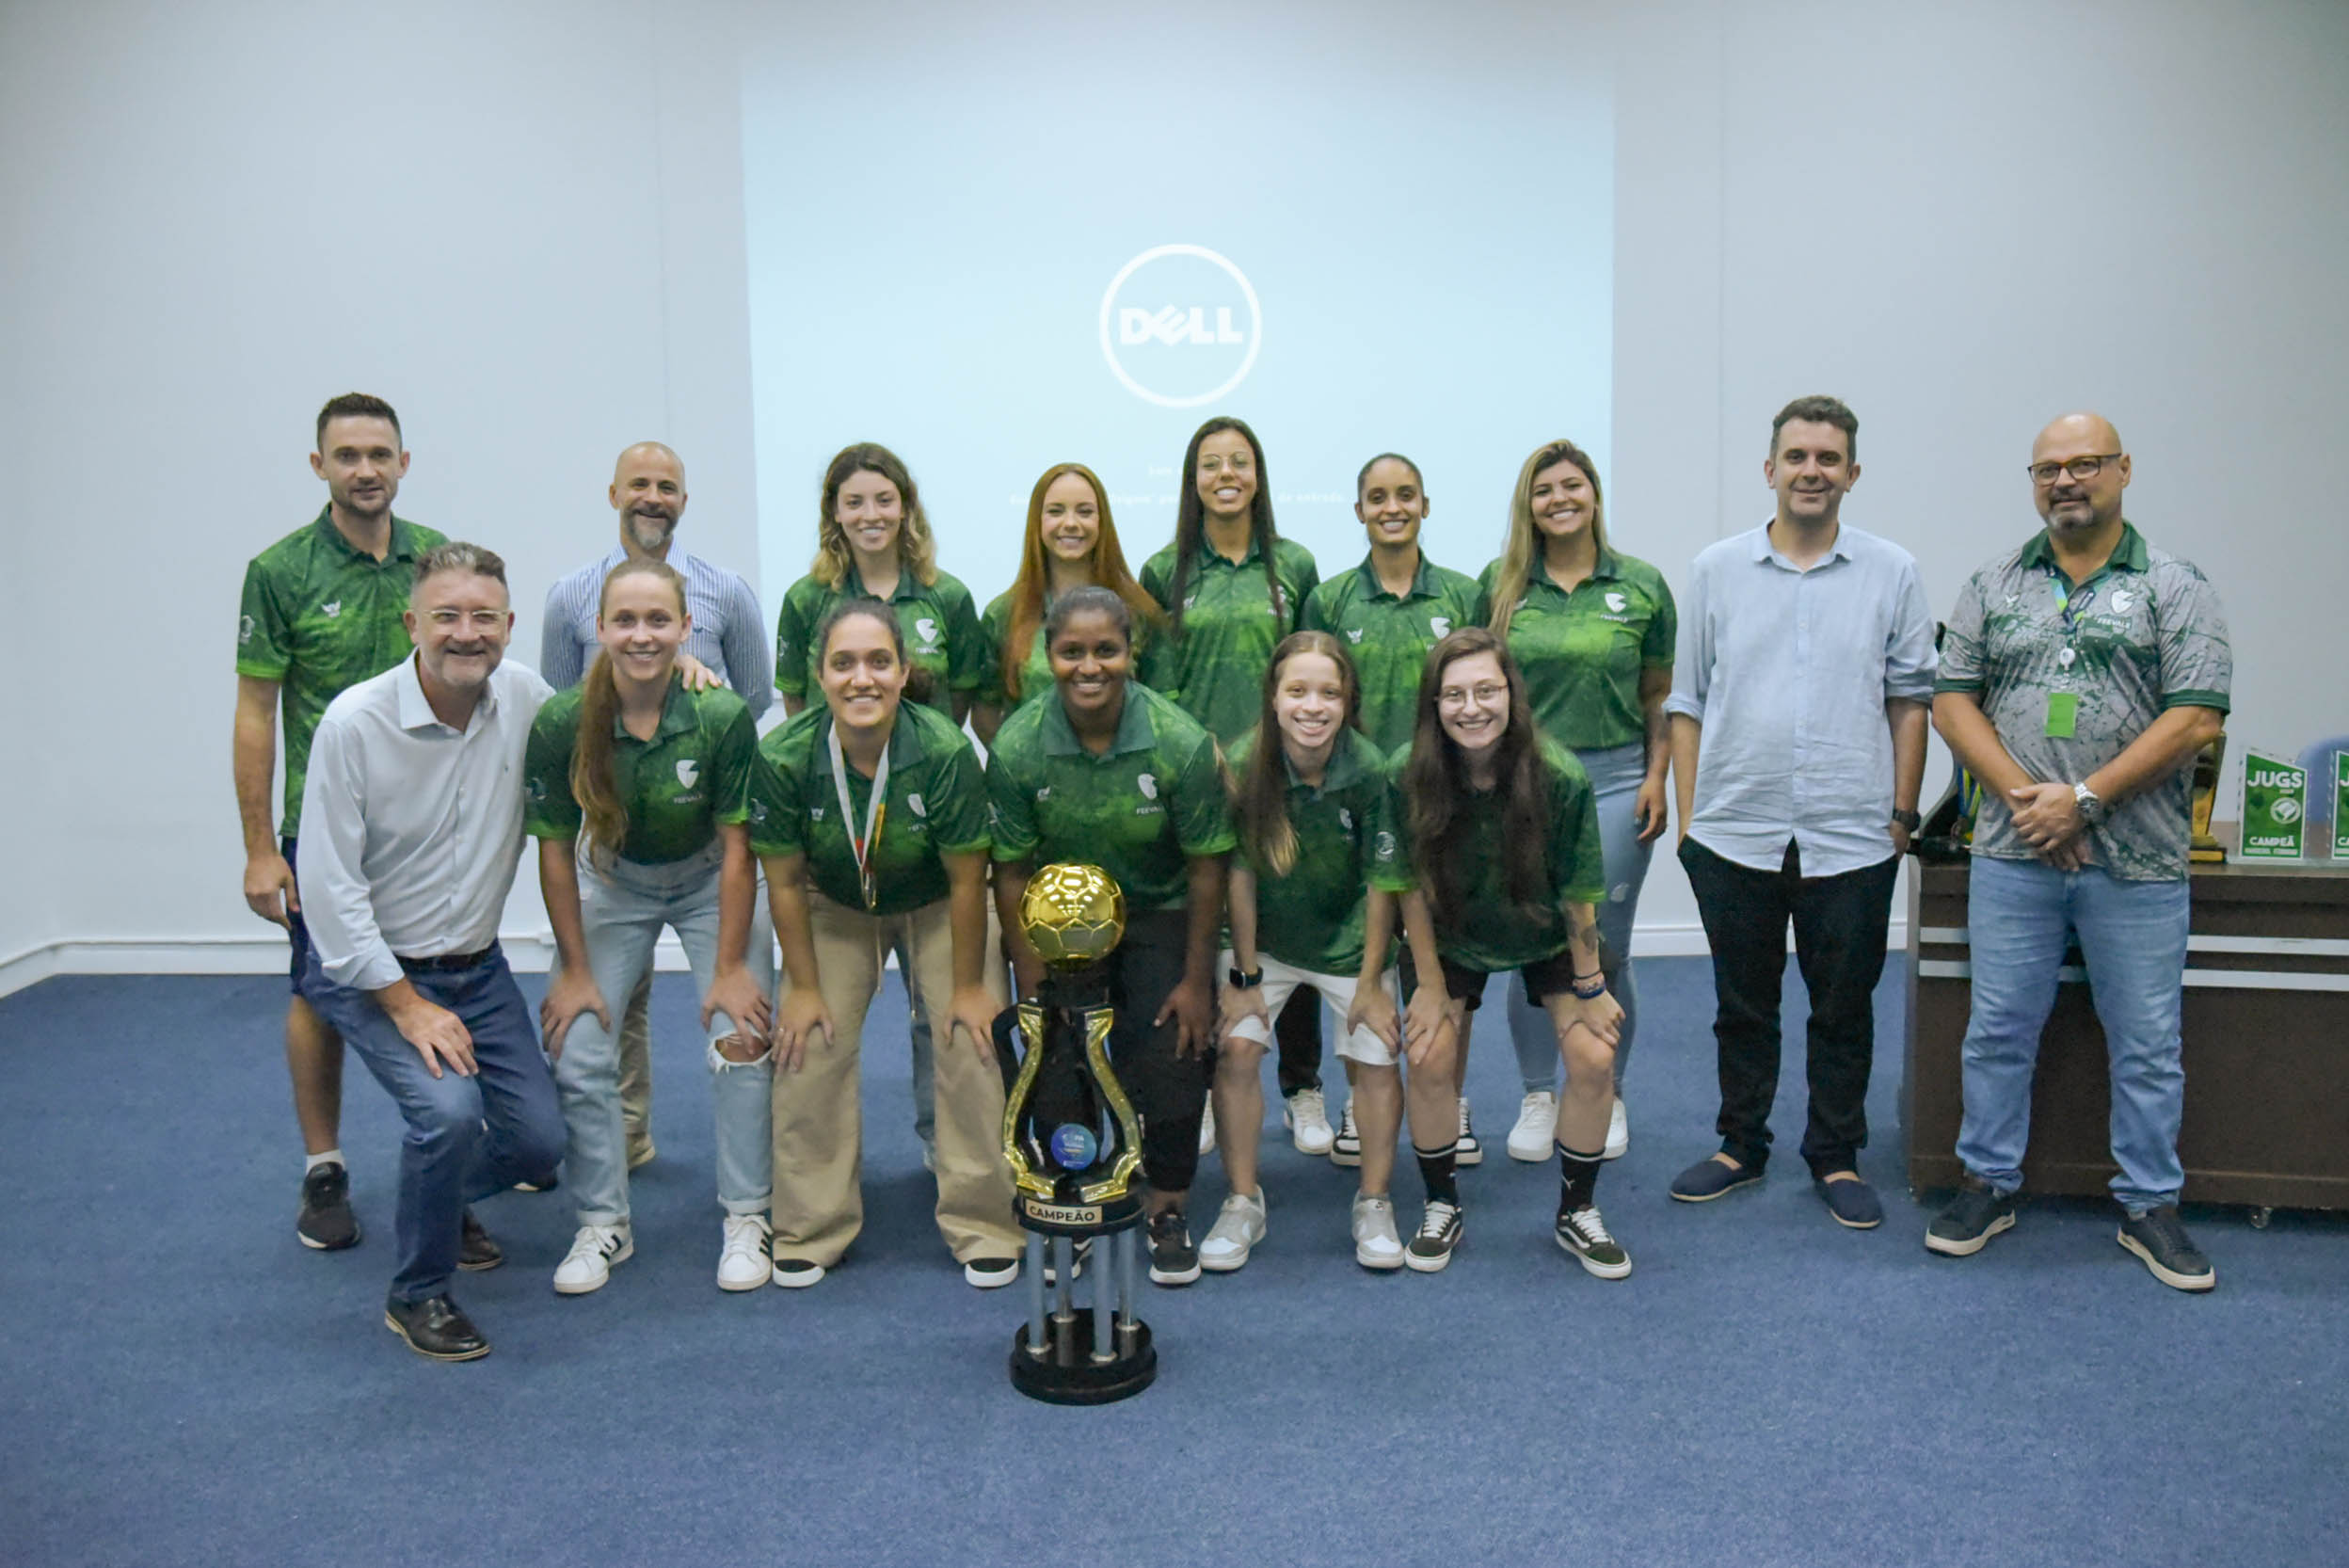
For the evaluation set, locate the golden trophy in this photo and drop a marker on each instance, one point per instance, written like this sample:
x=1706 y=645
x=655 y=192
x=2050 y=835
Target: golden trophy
x=2206 y=850
x=1074 y=1146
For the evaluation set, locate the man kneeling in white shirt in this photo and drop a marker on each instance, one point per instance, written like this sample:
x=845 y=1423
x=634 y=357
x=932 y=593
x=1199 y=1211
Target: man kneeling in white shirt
x=412 y=823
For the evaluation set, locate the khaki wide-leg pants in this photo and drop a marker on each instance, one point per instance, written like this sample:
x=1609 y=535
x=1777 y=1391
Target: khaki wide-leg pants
x=819 y=1124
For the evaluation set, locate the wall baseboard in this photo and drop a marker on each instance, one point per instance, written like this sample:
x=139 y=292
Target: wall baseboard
x=528 y=951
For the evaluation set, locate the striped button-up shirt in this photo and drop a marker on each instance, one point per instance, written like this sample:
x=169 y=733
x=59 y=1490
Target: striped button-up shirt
x=730 y=633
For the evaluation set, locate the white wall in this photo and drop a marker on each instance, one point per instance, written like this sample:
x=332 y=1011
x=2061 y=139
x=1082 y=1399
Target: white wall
x=522 y=224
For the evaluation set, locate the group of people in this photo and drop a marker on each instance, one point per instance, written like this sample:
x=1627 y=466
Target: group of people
x=1375 y=791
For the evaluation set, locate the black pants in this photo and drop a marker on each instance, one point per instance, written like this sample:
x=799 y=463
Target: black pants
x=1840 y=925
x=1168 y=1092
x=1298 y=1030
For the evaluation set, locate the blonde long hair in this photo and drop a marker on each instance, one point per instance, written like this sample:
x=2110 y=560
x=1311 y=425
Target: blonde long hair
x=917 y=551
x=603 y=816
x=1525 y=540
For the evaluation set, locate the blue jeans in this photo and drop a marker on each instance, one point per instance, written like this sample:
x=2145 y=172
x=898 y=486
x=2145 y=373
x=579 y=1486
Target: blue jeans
x=623 y=909
x=467 y=1137
x=2019 y=914
x=1615 y=776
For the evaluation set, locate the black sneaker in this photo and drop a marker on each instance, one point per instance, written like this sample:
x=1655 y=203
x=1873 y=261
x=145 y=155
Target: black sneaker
x=2159 y=1237
x=1583 y=1232
x=435 y=1327
x=1977 y=1213
x=475 y=1251
x=326 y=1223
x=1173 y=1259
x=989 y=1274
x=1346 y=1148
x=1430 y=1251
x=796 y=1274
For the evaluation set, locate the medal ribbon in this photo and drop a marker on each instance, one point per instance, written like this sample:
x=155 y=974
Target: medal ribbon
x=876 y=814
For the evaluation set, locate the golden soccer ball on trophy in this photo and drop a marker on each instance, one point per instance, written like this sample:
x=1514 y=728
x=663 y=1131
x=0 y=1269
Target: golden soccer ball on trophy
x=1074 y=914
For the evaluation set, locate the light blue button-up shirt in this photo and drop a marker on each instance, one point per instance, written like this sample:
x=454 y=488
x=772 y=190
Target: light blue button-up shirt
x=1788 y=670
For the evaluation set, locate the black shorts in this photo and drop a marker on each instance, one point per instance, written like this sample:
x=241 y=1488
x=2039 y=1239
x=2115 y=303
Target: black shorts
x=295 y=928
x=1544 y=977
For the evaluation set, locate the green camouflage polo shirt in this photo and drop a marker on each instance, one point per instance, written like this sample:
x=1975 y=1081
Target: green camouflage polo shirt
x=1583 y=652
x=939 y=620
x=1215 y=670
x=1489 y=931
x=1388 y=638
x=1035 y=668
x=319 y=616
x=678 y=787
x=1138 y=811
x=2144 y=634
x=1311 y=917
x=937 y=805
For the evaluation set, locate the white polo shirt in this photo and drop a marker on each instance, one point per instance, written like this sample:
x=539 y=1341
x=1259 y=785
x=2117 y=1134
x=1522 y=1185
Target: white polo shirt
x=410 y=829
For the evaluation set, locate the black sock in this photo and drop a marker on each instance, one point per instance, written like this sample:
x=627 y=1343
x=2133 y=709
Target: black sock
x=1435 y=1169
x=1578 y=1174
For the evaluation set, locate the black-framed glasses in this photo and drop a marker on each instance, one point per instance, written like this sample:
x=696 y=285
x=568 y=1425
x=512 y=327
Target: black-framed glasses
x=2043 y=474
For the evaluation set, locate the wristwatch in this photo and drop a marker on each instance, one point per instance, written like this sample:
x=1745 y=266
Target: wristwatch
x=1910 y=819
x=1244 y=980
x=2092 y=810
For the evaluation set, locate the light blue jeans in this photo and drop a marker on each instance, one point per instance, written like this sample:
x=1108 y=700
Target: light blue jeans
x=1615 y=775
x=2019 y=914
x=623 y=910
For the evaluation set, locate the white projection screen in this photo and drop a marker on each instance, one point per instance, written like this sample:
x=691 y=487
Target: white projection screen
x=997 y=241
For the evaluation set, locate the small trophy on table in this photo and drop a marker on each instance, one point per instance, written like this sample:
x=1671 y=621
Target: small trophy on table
x=1075 y=1150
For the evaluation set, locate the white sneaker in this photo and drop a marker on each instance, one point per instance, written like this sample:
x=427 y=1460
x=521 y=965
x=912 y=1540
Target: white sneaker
x=593 y=1250
x=1309 y=1120
x=1238 y=1228
x=1375 y=1243
x=1467 y=1151
x=1345 y=1150
x=1207 y=1130
x=1618 y=1133
x=742 y=1261
x=1536 y=1128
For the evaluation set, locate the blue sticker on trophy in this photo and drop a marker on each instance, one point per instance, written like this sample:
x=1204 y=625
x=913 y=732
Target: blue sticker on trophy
x=1074 y=1145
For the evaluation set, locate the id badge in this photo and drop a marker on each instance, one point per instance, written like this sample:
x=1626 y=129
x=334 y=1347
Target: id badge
x=2063 y=713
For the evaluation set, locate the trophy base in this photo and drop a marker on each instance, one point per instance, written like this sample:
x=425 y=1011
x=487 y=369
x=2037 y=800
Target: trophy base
x=1067 y=1373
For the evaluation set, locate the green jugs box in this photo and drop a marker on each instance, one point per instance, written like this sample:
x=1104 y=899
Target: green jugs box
x=2340 y=805
x=2275 y=807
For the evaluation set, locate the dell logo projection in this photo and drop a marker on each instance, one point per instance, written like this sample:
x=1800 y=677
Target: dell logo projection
x=1180 y=325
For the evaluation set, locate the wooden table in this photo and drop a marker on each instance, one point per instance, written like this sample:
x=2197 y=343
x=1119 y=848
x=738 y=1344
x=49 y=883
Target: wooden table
x=2266 y=1026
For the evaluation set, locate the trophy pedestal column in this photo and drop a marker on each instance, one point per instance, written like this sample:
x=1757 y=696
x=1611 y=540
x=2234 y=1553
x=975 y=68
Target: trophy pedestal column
x=1091 y=1352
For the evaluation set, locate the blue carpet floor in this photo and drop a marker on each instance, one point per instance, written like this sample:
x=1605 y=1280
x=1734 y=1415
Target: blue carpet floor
x=185 y=1384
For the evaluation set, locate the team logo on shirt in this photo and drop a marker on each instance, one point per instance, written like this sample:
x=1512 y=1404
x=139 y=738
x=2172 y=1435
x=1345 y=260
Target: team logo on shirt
x=1440 y=625
x=331 y=611
x=920 y=809
x=1345 y=818
x=2123 y=600
x=1386 y=846
x=1045 y=793
x=1617 y=602
x=1353 y=636
x=244 y=629
x=927 y=630
x=1147 y=785
x=687 y=771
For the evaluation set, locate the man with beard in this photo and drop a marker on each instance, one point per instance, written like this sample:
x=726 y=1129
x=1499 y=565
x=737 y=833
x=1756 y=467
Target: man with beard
x=728 y=643
x=414 y=812
x=321 y=611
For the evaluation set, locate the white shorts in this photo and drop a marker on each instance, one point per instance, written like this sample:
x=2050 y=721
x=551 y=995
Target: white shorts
x=1281 y=981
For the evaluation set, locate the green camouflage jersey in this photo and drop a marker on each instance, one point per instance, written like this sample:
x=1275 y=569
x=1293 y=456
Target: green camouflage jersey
x=1036 y=669
x=319 y=616
x=678 y=787
x=1487 y=931
x=1215 y=669
x=1388 y=637
x=1311 y=916
x=1138 y=812
x=937 y=805
x=939 y=620
x=1583 y=652
x=2144 y=634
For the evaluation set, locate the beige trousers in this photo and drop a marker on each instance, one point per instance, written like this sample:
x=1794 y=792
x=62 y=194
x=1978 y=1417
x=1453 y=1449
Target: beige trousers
x=818 y=1124
x=637 y=1071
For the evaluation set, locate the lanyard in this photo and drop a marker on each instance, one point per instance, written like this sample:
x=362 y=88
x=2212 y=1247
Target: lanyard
x=876 y=814
x=2062 y=610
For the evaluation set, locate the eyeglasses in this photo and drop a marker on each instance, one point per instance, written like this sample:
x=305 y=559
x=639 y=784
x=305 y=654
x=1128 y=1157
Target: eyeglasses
x=1484 y=693
x=2043 y=474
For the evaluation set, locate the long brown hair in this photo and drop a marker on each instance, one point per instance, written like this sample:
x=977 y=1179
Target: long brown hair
x=1190 y=520
x=1108 y=567
x=1436 y=788
x=917 y=551
x=1525 y=540
x=1260 y=795
x=603 y=816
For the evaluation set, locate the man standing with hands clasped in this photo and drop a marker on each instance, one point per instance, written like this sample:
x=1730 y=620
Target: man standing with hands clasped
x=1798 y=719
x=2080 y=675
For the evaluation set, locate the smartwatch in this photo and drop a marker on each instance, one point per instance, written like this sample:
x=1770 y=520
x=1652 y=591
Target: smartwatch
x=1910 y=819
x=1245 y=980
